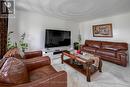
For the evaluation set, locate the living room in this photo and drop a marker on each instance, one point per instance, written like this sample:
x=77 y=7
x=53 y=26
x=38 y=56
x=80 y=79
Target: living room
x=80 y=17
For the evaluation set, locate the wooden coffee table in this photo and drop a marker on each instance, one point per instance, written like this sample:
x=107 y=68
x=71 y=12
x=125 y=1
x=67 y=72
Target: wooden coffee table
x=84 y=66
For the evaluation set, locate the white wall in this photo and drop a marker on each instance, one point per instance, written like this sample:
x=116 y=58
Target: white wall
x=34 y=25
x=12 y=27
x=121 y=29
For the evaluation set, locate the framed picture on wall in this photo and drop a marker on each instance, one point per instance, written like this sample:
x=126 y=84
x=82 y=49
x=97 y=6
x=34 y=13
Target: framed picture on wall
x=103 y=30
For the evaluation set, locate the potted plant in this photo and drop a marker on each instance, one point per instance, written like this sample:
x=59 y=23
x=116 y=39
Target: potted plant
x=77 y=44
x=20 y=44
x=10 y=44
x=23 y=45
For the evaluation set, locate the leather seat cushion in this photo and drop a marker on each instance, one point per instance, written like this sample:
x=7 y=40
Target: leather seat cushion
x=42 y=72
x=106 y=52
x=89 y=49
x=13 y=72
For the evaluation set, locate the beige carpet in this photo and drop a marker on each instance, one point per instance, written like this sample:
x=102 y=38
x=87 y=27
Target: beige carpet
x=112 y=76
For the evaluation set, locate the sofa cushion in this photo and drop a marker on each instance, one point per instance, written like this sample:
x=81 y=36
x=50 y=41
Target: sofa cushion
x=121 y=47
x=106 y=52
x=42 y=72
x=49 y=70
x=13 y=72
x=92 y=43
x=115 y=46
x=89 y=49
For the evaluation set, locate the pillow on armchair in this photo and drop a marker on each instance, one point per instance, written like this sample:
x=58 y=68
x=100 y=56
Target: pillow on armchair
x=13 y=71
x=15 y=52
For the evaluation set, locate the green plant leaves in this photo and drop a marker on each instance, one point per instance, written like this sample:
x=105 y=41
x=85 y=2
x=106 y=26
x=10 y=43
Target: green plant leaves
x=20 y=44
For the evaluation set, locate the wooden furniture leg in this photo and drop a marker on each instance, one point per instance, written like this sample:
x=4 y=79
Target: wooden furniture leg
x=100 y=66
x=88 y=72
x=62 y=55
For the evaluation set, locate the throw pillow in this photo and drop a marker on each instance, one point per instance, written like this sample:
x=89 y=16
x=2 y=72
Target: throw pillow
x=13 y=71
x=11 y=52
x=8 y=53
x=15 y=52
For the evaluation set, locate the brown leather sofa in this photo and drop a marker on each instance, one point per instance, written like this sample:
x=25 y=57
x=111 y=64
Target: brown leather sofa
x=115 y=52
x=41 y=72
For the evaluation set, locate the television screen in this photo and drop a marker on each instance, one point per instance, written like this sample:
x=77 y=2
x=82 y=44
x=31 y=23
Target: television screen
x=56 y=38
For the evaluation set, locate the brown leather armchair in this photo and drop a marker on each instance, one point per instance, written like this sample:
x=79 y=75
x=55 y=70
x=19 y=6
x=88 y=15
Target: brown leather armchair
x=41 y=72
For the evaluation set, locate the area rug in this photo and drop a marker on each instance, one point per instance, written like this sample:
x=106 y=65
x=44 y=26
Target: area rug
x=104 y=79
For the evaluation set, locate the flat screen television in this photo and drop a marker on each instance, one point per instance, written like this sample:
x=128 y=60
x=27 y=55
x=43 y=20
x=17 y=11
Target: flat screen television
x=57 y=38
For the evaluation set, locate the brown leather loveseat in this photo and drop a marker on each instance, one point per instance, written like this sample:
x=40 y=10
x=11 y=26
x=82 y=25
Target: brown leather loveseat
x=40 y=72
x=115 y=52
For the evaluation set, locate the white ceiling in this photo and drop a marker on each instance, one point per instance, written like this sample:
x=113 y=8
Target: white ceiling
x=75 y=10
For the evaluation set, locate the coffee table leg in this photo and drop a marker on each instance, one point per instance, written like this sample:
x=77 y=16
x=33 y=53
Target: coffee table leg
x=62 y=58
x=88 y=72
x=100 y=66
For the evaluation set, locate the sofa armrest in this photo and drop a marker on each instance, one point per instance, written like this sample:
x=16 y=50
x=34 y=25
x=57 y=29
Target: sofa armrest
x=32 y=54
x=58 y=79
x=36 y=62
x=122 y=55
